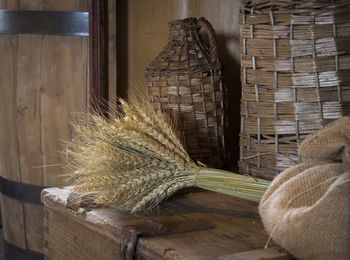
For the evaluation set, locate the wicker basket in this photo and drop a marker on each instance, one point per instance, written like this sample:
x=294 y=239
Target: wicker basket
x=295 y=60
x=185 y=79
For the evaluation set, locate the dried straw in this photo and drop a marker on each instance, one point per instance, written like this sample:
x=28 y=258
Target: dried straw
x=135 y=160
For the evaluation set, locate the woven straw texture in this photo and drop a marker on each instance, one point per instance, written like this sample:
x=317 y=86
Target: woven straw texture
x=185 y=80
x=295 y=60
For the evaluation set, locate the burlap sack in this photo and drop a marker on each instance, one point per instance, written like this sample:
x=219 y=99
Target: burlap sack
x=332 y=143
x=306 y=210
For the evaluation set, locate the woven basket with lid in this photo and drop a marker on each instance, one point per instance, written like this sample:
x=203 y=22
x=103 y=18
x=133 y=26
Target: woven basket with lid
x=295 y=61
x=185 y=80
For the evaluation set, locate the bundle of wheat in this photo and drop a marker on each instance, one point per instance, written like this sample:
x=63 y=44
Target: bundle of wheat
x=134 y=159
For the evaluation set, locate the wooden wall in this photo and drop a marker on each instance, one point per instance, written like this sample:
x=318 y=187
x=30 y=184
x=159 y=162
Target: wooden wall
x=142 y=32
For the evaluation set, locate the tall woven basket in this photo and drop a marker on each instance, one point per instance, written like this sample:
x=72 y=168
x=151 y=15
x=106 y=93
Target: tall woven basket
x=185 y=80
x=295 y=61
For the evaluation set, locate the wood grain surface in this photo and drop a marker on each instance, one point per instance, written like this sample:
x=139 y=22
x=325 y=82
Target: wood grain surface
x=232 y=227
x=44 y=82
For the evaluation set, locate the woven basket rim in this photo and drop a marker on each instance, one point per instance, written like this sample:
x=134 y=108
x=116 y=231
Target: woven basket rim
x=298 y=7
x=190 y=22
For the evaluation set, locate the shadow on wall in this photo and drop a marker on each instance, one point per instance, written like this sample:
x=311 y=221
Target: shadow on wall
x=232 y=82
x=122 y=44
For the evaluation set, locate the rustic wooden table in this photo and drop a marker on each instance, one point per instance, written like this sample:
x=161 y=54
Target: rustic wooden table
x=199 y=225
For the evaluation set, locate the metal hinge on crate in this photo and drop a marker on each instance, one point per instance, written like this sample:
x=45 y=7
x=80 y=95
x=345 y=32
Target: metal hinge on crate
x=130 y=234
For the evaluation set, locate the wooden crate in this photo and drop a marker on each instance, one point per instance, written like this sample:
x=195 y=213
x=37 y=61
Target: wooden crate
x=202 y=225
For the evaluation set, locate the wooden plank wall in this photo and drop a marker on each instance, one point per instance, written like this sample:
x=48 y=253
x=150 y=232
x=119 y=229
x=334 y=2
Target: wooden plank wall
x=143 y=32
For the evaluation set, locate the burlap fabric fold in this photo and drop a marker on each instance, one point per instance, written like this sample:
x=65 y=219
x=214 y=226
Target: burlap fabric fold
x=306 y=209
x=332 y=143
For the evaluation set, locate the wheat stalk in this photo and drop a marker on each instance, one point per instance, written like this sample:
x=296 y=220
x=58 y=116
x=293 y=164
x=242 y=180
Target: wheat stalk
x=134 y=159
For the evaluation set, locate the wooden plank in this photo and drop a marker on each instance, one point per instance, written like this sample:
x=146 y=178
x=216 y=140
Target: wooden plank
x=9 y=161
x=29 y=133
x=234 y=226
x=9 y=4
x=68 y=239
x=2 y=249
x=237 y=228
x=200 y=245
x=66 y=5
x=63 y=88
x=34 y=227
x=28 y=108
x=105 y=221
x=235 y=211
x=20 y=94
x=271 y=253
x=12 y=210
x=31 y=4
x=13 y=221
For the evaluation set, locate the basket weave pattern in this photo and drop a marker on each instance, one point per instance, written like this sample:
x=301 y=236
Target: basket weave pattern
x=185 y=80
x=295 y=61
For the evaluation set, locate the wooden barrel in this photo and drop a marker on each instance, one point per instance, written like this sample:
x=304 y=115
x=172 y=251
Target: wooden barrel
x=44 y=59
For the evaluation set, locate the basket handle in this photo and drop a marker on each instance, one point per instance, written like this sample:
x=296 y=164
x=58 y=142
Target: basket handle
x=213 y=45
